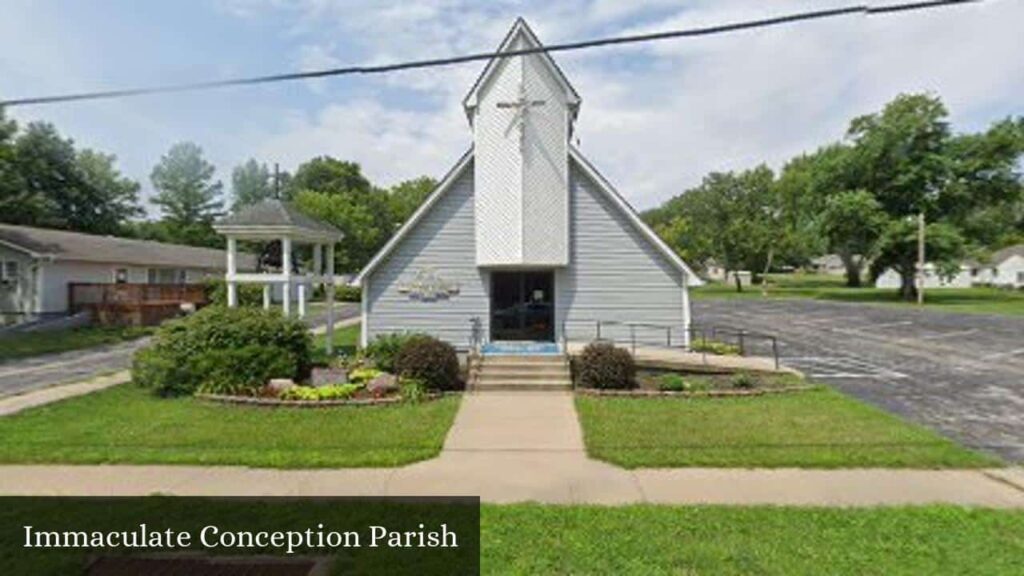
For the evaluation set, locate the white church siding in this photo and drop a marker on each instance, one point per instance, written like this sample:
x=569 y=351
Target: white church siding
x=615 y=274
x=443 y=240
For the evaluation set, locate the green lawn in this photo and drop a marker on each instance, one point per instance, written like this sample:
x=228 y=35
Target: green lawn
x=820 y=428
x=127 y=425
x=822 y=287
x=721 y=541
x=15 y=346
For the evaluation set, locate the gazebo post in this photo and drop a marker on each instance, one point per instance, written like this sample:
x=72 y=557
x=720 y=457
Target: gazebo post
x=232 y=270
x=286 y=271
x=266 y=296
x=329 y=290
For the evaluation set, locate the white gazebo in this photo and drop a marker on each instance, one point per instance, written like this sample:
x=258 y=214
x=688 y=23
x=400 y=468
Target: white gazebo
x=274 y=220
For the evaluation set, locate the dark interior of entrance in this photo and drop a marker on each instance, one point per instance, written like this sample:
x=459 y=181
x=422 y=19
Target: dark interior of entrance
x=523 y=306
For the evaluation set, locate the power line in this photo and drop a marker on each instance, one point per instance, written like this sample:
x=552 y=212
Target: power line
x=435 y=62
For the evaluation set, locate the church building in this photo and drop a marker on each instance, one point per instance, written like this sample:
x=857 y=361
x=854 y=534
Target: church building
x=524 y=242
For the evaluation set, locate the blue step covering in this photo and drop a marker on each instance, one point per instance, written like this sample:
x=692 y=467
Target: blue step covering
x=521 y=348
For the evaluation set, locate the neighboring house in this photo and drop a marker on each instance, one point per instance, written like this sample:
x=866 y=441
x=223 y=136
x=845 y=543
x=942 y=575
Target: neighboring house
x=523 y=239
x=830 y=264
x=38 y=264
x=962 y=279
x=1005 y=268
x=713 y=270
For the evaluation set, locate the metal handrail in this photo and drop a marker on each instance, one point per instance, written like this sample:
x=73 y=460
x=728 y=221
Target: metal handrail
x=742 y=336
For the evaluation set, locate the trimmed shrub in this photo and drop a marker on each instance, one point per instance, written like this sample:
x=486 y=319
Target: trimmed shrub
x=241 y=370
x=363 y=375
x=602 y=365
x=248 y=294
x=176 y=363
x=384 y=348
x=428 y=359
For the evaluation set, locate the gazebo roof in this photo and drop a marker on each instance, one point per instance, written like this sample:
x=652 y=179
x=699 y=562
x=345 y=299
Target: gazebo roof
x=274 y=218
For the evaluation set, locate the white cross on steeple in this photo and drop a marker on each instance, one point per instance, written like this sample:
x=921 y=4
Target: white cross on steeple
x=522 y=106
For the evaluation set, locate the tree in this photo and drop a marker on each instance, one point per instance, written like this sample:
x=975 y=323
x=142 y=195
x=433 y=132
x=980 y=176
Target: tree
x=251 y=183
x=188 y=196
x=906 y=157
x=330 y=175
x=120 y=195
x=729 y=217
x=337 y=192
x=944 y=246
x=405 y=197
x=63 y=188
x=853 y=221
x=18 y=204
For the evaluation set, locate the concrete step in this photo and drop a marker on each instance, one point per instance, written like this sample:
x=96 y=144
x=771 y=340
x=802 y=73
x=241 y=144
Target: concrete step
x=491 y=360
x=519 y=385
x=513 y=372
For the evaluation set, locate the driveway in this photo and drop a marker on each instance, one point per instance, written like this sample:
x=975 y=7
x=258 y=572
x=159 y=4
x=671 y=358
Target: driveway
x=19 y=376
x=961 y=374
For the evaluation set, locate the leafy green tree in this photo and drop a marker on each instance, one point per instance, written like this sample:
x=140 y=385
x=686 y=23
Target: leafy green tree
x=64 y=188
x=405 y=197
x=853 y=221
x=18 y=203
x=337 y=192
x=251 y=183
x=188 y=196
x=729 y=217
x=944 y=246
x=120 y=194
x=330 y=175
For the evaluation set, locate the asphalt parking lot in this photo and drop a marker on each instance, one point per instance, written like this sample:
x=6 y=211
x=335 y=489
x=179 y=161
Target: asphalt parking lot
x=961 y=374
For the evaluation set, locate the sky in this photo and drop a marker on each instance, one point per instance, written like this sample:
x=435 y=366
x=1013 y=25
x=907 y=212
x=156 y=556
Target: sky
x=655 y=118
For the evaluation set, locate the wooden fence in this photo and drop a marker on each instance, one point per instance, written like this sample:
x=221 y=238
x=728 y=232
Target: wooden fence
x=134 y=304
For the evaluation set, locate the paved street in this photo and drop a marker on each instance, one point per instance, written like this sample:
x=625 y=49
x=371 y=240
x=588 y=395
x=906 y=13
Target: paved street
x=961 y=374
x=21 y=376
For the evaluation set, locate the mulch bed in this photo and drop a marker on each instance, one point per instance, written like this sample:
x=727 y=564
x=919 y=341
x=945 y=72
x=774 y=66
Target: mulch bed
x=643 y=393
x=277 y=402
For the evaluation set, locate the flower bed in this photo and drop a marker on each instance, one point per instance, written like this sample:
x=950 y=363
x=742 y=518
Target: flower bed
x=278 y=402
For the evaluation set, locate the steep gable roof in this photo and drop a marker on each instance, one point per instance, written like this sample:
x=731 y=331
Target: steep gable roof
x=520 y=29
x=605 y=187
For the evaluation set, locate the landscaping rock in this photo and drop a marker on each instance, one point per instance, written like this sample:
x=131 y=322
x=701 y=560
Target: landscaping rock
x=279 y=385
x=383 y=384
x=328 y=376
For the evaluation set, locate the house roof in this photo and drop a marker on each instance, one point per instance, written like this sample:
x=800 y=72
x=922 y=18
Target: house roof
x=1000 y=256
x=617 y=200
x=79 y=247
x=276 y=216
x=520 y=29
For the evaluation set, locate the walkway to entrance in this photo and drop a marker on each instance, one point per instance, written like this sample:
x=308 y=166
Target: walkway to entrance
x=523 y=446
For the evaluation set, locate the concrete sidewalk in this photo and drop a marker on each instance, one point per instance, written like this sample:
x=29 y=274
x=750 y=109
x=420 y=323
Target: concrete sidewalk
x=523 y=446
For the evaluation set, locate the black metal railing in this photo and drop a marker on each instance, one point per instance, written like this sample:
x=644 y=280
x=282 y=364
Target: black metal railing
x=694 y=338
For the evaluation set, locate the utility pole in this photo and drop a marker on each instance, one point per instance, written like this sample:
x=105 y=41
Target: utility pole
x=920 y=258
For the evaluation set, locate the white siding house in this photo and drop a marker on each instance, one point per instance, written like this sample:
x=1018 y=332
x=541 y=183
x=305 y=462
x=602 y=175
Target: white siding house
x=38 y=264
x=1004 y=269
x=523 y=237
x=962 y=279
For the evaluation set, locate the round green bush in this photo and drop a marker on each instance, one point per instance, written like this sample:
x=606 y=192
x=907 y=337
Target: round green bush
x=384 y=349
x=602 y=365
x=188 y=353
x=428 y=359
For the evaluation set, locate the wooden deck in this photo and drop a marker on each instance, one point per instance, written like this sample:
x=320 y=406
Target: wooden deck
x=134 y=304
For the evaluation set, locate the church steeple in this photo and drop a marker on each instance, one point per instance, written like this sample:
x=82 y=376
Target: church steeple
x=522 y=110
